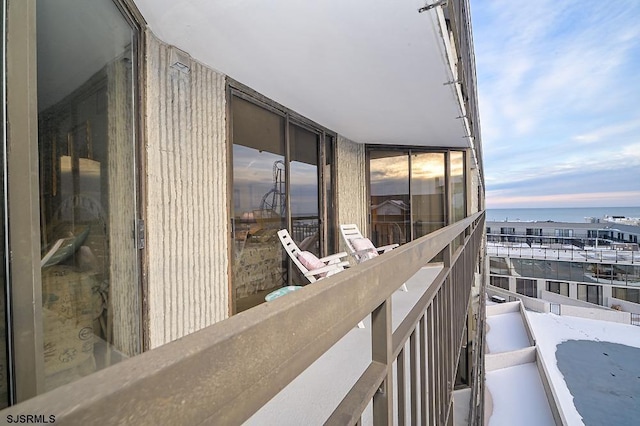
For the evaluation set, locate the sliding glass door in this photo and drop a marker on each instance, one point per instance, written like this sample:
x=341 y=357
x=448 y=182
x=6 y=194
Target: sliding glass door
x=259 y=201
x=414 y=192
x=75 y=288
x=428 y=194
x=390 y=200
x=278 y=183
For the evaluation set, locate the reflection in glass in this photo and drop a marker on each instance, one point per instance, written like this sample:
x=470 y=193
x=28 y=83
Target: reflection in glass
x=259 y=202
x=628 y=294
x=390 y=203
x=90 y=299
x=502 y=282
x=458 y=208
x=590 y=293
x=558 y=287
x=304 y=199
x=458 y=204
x=527 y=287
x=328 y=187
x=427 y=193
x=498 y=265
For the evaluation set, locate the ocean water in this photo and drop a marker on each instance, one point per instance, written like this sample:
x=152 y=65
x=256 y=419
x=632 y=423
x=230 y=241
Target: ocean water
x=572 y=214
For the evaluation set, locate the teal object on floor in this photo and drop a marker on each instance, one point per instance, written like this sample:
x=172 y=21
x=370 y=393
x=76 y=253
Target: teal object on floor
x=281 y=292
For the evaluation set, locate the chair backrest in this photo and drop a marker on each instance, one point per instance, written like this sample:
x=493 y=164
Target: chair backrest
x=361 y=248
x=292 y=250
x=350 y=232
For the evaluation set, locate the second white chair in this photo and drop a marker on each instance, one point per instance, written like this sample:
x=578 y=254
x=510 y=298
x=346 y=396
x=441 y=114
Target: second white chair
x=361 y=248
x=312 y=267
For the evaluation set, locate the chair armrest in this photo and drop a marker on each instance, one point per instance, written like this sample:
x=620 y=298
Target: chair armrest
x=332 y=257
x=329 y=268
x=385 y=249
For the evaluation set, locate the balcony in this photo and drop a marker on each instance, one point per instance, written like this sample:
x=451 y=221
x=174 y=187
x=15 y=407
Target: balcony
x=227 y=372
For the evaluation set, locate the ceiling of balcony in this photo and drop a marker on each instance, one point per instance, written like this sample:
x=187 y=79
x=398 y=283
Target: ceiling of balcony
x=373 y=71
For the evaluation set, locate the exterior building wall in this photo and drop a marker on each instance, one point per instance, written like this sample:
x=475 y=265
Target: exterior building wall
x=186 y=197
x=351 y=185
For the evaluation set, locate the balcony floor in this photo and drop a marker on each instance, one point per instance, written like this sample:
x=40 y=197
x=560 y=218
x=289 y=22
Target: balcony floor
x=314 y=394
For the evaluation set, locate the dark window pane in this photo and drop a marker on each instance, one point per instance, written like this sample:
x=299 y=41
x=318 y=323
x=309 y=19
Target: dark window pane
x=303 y=166
x=259 y=202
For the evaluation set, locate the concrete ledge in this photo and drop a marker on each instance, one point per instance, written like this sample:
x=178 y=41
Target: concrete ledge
x=502 y=308
x=527 y=326
x=597 y=314
x=568 y=301
x=552 y=397
x=625 y=305
x=530 y=303
x=502 y=360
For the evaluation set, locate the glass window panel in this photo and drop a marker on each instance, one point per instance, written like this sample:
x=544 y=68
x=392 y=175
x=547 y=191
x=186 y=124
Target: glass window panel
x=582 y=292
x=427 y=193
x=458 y=199
x=502 y=282
x=526 y=287
x=259 y=202
x=90 y=291
x=330 y=208
x=390 y=204
x=303 y=166
x=498 y=265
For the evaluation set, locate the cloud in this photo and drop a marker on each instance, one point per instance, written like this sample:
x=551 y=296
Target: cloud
x=557 y=96
x=605 y=133
x=582 y=199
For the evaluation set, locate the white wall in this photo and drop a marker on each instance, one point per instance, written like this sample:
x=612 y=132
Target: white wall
x=597 y=314
x=186 y=197
x=565 y=300
x=626 y=306
x=509 y=359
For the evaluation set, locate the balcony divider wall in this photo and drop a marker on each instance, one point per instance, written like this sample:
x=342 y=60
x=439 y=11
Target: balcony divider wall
x=351 y=185
x=186 y=195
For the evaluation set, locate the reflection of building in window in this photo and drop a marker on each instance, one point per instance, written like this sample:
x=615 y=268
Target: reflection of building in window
x=389 y=218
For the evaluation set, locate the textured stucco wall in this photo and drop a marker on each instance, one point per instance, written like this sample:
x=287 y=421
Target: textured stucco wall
x=186 y=197
x=351 y=185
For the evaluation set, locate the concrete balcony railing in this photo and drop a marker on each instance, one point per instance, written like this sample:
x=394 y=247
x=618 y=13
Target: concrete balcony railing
x=225 y=373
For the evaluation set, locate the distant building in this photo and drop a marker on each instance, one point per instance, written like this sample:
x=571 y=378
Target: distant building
x=597 y=263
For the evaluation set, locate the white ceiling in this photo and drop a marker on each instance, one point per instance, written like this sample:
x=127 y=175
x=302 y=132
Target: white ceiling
x=371 y=70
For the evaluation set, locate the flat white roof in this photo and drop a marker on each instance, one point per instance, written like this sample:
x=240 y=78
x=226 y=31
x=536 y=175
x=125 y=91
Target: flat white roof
x=506 y=333
x=551 y=330
x=518 y=397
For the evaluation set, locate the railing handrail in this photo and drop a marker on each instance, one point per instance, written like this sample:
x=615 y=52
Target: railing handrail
x=226 y=372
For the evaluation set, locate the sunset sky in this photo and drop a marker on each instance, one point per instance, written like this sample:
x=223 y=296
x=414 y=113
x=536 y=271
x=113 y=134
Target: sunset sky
x=559 y=89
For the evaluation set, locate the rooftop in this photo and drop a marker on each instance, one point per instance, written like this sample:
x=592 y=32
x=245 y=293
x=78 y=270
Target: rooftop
x=583 y=369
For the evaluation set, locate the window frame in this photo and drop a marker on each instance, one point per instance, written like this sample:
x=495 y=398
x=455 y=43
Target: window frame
x=23 y=274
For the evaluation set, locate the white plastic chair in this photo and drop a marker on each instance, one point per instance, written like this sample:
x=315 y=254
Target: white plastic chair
x=312 y=268
x=330 y=264
x=361 y=248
